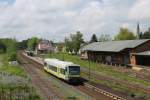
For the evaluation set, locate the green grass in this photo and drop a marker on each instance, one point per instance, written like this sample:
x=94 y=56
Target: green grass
x=15 y=70
x=101 y=69
x=5 y=67
x=27 y=92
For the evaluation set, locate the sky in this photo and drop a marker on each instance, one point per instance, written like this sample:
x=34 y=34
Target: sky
x=57 y=19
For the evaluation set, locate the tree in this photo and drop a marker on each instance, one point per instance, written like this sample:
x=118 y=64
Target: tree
x=2 y=47
x=77 y=40
x=10 y=44
x=125 y=34
x=32 y=43
x=105 y=37
x=93 y=38
x=74 y=42
x=68 y=44
x=22 y=45
x=146 y=35
x=60 y=47
x=11 y=47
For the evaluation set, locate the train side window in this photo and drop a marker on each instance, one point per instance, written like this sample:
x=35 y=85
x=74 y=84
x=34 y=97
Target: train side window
x=50 y=67
x=54 y=68
x=62 y=71
x=45 y=64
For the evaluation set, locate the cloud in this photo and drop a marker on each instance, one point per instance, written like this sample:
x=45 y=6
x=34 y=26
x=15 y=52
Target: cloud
x=140 y=10
x=56 y=19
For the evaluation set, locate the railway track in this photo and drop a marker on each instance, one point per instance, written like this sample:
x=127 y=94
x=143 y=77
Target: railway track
x=38 y=82
x=128 y=84
x=97 y=93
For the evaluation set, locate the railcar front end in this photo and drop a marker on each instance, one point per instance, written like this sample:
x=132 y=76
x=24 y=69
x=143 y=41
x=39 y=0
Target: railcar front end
x=74 y=73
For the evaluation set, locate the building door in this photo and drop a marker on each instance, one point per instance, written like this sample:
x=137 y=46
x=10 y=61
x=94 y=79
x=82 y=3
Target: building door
x=126 y=59
x=143 y=60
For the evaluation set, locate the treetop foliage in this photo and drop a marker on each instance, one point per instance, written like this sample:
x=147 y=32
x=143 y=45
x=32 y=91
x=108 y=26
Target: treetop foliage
x=9 y=47
x=125 y=34
x=74 y=42
x=146 y=35
x=32 y=42
x=93 y=38
x=105 y=37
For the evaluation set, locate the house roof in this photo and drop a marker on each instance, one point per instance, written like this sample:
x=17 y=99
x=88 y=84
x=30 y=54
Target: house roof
x=45 y=42
x=146 y=53
x=113 y=46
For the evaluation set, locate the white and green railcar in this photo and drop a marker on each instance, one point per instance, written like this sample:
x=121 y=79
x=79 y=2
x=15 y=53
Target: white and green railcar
x=65 y=70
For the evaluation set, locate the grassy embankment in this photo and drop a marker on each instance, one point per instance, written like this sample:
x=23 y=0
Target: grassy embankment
x=21 y=90
x=105 y=70
x=5 y=67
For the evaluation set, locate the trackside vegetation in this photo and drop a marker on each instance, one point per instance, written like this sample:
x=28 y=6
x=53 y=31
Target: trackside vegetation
x=14 y=83
x=12 y=69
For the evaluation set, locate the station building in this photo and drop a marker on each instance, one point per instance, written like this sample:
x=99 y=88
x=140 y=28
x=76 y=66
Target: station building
x=125 y=52
x=44 y=46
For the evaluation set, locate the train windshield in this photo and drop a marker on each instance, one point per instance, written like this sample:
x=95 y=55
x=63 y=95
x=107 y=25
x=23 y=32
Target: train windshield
x=74 y=70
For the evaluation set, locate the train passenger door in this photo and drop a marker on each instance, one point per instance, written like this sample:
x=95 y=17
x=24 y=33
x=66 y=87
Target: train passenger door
x=66 y=72
x=45 y=65
x=126 y=59
x=58 y=71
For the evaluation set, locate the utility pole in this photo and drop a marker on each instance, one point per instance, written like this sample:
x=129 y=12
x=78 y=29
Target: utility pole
x=63 y=56
x=89 y=66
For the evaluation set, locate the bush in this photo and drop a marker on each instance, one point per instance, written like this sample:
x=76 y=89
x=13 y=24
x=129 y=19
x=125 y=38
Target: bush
x=12 y=56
